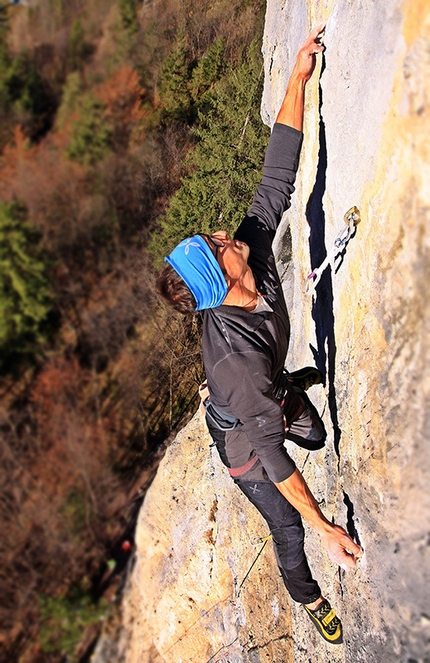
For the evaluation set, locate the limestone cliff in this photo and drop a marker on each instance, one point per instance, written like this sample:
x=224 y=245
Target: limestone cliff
x=367 y=143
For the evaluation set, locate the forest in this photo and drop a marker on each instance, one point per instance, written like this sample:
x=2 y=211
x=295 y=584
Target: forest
x=123 y=128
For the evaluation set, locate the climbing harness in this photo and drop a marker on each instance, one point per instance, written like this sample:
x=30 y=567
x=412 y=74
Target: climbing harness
x=351 y=218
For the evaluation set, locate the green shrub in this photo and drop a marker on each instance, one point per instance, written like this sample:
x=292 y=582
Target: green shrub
x=64 y=619
x=77 y=511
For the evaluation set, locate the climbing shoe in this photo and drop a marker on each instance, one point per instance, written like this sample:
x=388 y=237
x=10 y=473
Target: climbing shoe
x=324 y=618
x=305 y=377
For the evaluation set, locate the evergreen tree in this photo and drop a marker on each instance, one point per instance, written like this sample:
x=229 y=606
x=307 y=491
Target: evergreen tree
x=174 y=84
x=4 y=23
x=90 y=134
x=225 y=167
x=25 y=297
x=5 y=61
x=208 y=70
x=71 y=95
x=76 y=47
x=128 y=10
x=24 y=93
x=5 y=119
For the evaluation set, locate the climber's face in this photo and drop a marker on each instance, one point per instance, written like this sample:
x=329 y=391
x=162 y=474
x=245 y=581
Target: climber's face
x=231 y=254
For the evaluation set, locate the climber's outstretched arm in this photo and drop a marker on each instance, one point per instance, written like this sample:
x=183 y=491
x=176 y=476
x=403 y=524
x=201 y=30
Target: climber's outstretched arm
x=339 y=545
x=291 y=111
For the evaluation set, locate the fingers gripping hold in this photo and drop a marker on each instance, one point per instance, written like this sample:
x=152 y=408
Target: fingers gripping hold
x=313 y=45
x=341 y=548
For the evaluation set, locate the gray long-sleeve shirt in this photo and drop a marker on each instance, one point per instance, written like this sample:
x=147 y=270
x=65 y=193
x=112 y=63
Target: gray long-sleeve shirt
x=244 y=353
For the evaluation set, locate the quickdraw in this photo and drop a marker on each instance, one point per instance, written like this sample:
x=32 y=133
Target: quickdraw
x=351 y=218
x=256 y=540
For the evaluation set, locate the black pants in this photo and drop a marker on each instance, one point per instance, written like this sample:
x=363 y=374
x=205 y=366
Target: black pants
x=285 y=524
x=283 y=519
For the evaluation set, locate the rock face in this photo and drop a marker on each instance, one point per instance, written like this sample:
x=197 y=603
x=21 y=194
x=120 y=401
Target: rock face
x=189 y=598
x=366 y=326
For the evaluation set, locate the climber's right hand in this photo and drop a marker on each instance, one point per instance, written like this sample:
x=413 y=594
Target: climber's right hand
x=340 y=547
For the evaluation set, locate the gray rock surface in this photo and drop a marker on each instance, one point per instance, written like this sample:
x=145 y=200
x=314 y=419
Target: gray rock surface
x=367 y=143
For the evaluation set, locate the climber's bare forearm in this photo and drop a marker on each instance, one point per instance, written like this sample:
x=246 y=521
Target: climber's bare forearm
x=339 y=545
x=296 y=491
x=292 y=108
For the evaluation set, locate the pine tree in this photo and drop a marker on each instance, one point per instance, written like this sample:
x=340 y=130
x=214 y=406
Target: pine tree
x=76 y=47
x=25 y=93
x=5 y=61
x=25 y=297
x=208 y=70
x=4 y=23
x=128 y=10
x=90 y=134
x=175 y=94
x=225 y=167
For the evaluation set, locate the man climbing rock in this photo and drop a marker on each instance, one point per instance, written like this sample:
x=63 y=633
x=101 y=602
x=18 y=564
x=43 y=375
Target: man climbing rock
x=252 y=404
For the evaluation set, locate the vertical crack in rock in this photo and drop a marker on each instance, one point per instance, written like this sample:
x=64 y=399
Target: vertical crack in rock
x=271 y=65
x=350 y=524
x=322 y=306
x=285 y=250
x=211 y=534
x=272 y=60
x=305 y=462
x=214 y=509
x=340 y=582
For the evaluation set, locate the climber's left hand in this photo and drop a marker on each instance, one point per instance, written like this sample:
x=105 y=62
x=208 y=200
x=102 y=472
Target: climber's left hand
x=306 y=57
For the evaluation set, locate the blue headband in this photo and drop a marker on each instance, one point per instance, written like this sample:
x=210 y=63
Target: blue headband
x=198 y=267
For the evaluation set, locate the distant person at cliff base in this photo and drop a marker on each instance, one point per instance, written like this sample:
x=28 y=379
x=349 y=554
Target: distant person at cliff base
x=253 y=404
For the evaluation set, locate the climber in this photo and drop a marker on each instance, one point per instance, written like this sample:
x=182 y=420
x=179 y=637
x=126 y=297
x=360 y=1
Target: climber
x=245 y=341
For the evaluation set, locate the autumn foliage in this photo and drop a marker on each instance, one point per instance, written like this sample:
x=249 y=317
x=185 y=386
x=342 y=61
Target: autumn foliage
x=99 y=104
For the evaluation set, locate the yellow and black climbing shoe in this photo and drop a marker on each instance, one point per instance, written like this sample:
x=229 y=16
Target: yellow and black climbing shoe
x=330 y=626
x=305 y=377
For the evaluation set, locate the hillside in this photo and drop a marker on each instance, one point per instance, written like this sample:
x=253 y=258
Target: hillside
x=190 y=597
x=106 y=107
